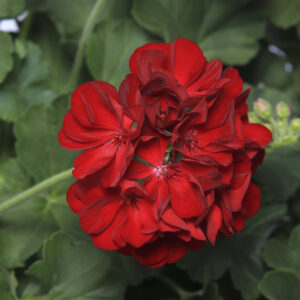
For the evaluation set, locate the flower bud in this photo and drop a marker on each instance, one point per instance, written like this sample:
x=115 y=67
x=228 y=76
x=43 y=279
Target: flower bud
x=262 y=108
x=283 y=111
x=295 y=124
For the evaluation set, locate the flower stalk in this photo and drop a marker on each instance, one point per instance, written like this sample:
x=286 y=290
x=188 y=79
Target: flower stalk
x=41 y=186
x=87 y=30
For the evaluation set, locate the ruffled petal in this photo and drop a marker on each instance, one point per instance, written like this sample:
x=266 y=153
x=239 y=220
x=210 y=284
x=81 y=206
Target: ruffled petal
x=214 y=222
x=187 y=197
x=257 y=136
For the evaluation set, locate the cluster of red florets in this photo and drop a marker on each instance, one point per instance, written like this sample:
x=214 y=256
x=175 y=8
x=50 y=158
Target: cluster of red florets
x=167 y=159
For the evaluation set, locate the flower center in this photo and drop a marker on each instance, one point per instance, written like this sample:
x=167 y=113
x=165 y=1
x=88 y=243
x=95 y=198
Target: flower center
x=129 y=198
x=164 y=171
x=163 y=114
x=119 y=139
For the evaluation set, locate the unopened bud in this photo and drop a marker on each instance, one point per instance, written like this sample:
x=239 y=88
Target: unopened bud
x=283 y=111
x=295 y=124
x=262 y=108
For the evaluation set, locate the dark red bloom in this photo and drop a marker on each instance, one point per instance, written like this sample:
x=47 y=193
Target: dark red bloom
x=168 y=160
x=97 y=124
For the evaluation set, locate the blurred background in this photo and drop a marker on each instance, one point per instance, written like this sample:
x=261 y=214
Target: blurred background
x=48 y=48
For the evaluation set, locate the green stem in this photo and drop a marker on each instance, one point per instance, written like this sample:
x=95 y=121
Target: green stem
x=87 y=30
x=26 y=27
x=183 y=294
x=179 y=291
x=55 y=179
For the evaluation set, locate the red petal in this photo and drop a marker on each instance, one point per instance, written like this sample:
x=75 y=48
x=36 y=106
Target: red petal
x=214 y=222
x=211 y=74
x=235 y=86
x=153 y=255
x=96 y=103
x=75 y=136
x=238 y=222
x=234 y=197
x=158 y=189
x=115 y=170
x=110 y=238
x=172 y=220
x=153 y=150
x=133 y=62
x=187 y=61
x=196 y=231
x=140 y=224
x=92 y=160
x=251 y=202
x=160 y=252
x=187 y=197
x=257 y=135
x=131 y=98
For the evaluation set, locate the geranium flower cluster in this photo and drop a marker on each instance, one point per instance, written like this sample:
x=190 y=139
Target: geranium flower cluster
x=167 y=160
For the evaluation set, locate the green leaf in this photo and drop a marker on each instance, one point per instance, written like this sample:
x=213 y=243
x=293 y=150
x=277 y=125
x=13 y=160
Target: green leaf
x=37 y=146
x=110 y=47
x=69 y=16
x=239 y=253
x=23 y=230
x=285 y=160
x=64 y=217
x=11 y=281
x=221 y=30
x=29 y=83
x=4 y=289
x=115 y=9
x=69 y=271
x=24 y=227
x=169 y=19
x=13 y=179
x=280 y=285
x=6 y=50
x=284 y=13
x=47 y=38
x=236 y=41
x=11 y=9
x=279 y=253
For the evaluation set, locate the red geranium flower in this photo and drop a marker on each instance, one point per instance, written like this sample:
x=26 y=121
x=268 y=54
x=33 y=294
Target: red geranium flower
x=167 y=160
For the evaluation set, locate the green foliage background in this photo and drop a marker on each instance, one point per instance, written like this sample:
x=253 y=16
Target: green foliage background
x=43 y=253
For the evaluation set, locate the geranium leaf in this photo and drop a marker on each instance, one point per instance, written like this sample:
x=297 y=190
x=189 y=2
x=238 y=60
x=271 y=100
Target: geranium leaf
x=279 y=253
x=285 y=161
x=284 y=13
x=69 y=16
x=69 y=270
x=110 y=47
x=11 y=9
x=280 y=285
x=214 y=25
x=235 y=42
x=6 y=50
x=37 y=146
x=28 y=84
x=4 y=289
